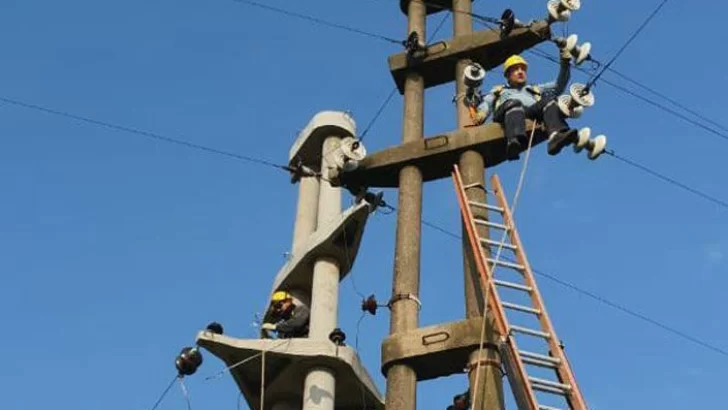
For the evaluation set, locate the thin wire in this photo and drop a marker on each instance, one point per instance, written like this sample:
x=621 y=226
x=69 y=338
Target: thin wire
x=667 y=179
x=605 y=301
x=320 y=21
x=185 y=393
x=624 y=47
x=143 y=133
x=668 y=99
x=394 y=90
x=164 y=393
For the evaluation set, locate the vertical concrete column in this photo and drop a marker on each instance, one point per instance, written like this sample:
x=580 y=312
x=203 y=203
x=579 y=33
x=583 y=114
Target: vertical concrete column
x=401 y=392
x=319 y=386
x=307 y=211
x=489 y=386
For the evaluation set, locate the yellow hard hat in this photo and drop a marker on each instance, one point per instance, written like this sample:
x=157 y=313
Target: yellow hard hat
x=513 y=60
x=280 y=296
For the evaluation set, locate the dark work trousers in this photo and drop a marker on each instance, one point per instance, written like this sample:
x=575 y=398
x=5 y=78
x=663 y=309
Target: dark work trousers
x=512 y=115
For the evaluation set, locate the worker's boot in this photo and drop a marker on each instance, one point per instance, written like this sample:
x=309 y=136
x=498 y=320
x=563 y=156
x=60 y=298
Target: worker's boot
x=558 y=140
x=513 y=149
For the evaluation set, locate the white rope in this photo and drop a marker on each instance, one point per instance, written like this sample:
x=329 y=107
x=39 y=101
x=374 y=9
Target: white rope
x=262 y=380
x=496 y=260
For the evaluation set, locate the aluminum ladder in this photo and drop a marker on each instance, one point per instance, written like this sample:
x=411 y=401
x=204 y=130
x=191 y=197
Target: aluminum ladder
x=547 y=356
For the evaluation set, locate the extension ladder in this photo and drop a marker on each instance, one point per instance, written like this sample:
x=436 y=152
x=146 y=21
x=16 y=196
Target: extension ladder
x=551 y=360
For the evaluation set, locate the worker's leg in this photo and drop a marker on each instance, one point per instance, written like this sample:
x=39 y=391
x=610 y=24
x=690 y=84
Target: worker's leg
x=512 y=116
x=560 y=135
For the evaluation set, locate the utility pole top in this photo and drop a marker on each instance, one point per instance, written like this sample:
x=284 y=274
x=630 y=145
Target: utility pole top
x=432 y=6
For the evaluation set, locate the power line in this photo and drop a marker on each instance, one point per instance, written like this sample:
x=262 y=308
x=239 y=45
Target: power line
x=667 y=179
x=624 y=47
x=143 y=133
x=164 y=393
x=320 y=21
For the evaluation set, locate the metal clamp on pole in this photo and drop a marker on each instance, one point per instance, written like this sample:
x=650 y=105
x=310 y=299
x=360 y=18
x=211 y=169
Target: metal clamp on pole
x=404 y=296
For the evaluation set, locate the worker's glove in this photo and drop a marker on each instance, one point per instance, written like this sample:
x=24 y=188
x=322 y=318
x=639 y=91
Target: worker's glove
x=268 y=326
x=565 y=54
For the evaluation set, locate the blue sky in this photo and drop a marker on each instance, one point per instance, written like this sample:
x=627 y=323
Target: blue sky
x=117 y=249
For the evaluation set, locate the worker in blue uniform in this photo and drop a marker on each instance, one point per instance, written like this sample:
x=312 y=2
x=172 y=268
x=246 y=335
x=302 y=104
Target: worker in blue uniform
x=291 y=319
x=515 y=101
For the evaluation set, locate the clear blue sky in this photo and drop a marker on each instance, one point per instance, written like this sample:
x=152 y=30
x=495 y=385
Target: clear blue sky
x=116 y=250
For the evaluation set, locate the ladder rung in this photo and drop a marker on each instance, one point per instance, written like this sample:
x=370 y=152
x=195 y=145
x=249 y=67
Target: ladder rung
x=486 y=206
x=506 y=264
x=564 y=388
x=542 y=407
x=540 y=363
x=497 y=244
x=540 y=357
x=521 y=308
x=530 y=332
x=476 y=184
x=491 y=224
x=548 y=389
x=512 y=285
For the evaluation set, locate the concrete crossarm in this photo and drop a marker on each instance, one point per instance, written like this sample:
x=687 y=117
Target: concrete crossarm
x=434 y=156
x=287 y=361
x=485 y=47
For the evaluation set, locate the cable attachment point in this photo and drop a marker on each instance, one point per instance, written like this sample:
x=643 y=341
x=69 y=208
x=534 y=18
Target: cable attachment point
x=337 y=337
x=298 y=171
x=188 y=361
x=415 y=48
x=215 y=328
x=580 y=53
x=507 y=22
x=404 y=296
x=370 y=305
x=579 y=97
x=473 y=77
x=560 y=10
x=375 y=200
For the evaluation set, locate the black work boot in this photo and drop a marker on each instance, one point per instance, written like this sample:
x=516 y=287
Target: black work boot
x=513 y=149
x=561 y=139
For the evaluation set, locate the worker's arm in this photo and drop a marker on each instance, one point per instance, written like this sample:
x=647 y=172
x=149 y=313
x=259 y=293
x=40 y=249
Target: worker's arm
x=554 y=88
x=483 y=110
x=298 y=319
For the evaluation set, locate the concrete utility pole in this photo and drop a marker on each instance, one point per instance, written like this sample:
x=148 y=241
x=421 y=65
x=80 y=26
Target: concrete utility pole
x=489 y=389
x=402 y=379
x=320 y=383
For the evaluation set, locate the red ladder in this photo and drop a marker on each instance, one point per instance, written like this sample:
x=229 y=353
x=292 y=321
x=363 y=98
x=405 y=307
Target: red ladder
x=515 y=360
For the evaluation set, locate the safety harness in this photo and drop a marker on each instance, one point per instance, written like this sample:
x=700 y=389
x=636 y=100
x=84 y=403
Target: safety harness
x=498 y=90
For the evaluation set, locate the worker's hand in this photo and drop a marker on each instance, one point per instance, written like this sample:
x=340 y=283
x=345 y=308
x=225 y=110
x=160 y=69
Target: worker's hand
x=565 y=54
x=268 y=326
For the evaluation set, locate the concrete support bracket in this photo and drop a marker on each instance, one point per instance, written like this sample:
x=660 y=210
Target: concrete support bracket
x=287 y=362
x=434 y=351
x=485 y=47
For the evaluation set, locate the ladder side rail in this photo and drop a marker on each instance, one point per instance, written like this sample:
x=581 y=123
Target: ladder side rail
x=494 y=301
x=564 y=371
x=478 y=256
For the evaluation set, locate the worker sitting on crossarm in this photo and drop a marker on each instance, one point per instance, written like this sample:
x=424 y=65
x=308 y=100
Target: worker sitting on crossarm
x=512 y=103
x=460 y=401
x=291 y=319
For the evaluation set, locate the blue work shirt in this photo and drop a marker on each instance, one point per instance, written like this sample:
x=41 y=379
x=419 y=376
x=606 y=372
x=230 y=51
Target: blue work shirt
x=524 y=94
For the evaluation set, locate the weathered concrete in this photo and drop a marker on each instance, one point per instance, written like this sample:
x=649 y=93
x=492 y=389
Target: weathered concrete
x=485 y=390
x=433 y=156
x=485 y=47
x=286 y=364
x=401 y=379
x=319 y=385
x=306 y=212
x=433 y=351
